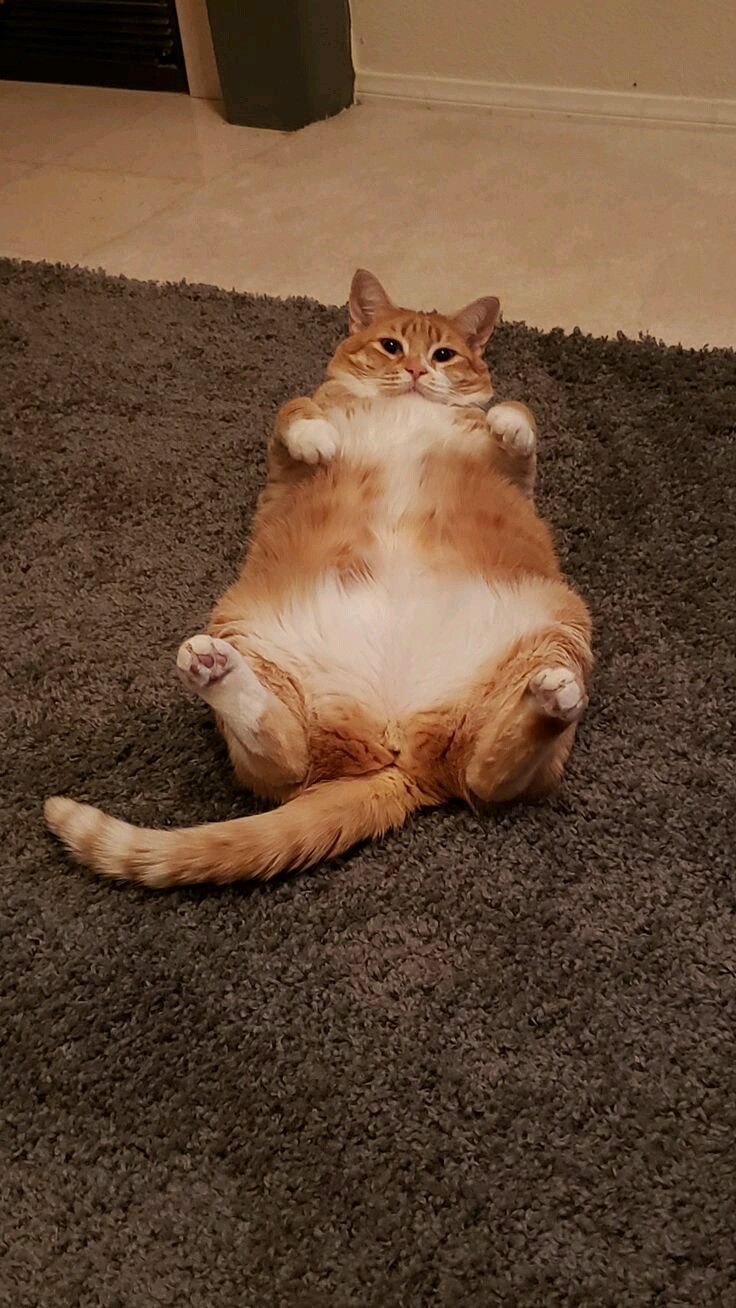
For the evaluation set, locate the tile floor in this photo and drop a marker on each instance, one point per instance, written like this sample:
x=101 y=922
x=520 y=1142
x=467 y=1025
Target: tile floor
x=606 y=225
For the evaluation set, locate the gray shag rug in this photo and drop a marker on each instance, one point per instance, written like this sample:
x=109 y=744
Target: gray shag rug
x=484 y=1062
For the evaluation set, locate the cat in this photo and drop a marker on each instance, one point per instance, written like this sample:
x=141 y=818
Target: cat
x=400 y=633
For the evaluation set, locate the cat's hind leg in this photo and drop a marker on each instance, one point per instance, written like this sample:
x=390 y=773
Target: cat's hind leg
x=522 y=723
x=515 y=430
x=266 y=738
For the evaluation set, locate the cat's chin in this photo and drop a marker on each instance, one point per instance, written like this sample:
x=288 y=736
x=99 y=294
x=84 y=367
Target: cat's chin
x=434 y=397
x=478 y=399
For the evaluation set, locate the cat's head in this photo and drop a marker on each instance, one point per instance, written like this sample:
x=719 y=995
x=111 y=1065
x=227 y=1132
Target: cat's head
x=392 y=351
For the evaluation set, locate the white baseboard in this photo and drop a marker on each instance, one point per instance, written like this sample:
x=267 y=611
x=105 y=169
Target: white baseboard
x=460 y=94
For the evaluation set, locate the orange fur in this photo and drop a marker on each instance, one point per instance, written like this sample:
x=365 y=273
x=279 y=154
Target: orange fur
x=348 y=668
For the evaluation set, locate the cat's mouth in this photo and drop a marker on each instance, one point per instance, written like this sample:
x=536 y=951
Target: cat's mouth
x=414 y=387
x=417 y=386
x=428 y=392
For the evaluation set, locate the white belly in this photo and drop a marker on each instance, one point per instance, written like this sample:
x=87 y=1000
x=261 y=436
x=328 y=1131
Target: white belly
x=405 y=641
x=409 y=638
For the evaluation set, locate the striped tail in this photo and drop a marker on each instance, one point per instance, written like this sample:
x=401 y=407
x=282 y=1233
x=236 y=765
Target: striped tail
x=321 y=823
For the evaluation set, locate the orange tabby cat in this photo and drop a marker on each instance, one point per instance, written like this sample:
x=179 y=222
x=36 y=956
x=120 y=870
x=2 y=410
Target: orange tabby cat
x=400 y=632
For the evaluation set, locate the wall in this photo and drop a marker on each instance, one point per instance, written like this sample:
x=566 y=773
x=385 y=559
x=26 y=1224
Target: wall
x=199 y=57
x=620 y=51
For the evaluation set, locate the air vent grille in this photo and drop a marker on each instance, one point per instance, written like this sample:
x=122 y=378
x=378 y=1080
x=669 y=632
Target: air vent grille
x=132 y=43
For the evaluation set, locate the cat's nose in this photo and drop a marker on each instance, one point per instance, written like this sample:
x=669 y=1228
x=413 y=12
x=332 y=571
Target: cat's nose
x=415 y=367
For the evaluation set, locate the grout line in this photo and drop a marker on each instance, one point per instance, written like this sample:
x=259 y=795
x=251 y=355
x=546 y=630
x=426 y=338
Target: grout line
x=194 y=188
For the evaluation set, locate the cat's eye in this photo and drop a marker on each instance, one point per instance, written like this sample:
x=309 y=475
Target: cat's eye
x=391 y=346
x=444 y=354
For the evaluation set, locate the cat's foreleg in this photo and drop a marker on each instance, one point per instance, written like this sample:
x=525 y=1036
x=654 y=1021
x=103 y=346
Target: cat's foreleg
x=304 y=431
x=514 y=430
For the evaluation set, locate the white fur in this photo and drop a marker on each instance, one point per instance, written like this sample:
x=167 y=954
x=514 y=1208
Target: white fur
x=311 y=440
x=406 y=422
x=231 y=687
x=513 y=429
x=396 y=435
x=405 y=641
x=559 y=692
x=408 y=639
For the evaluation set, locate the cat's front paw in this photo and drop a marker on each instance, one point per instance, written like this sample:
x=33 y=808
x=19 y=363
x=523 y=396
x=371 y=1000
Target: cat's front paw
x=311 y=440
x=514 y=427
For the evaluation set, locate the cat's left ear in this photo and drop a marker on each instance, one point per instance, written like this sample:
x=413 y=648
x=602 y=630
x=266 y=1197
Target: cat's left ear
x=368 y=300
x=477 y=320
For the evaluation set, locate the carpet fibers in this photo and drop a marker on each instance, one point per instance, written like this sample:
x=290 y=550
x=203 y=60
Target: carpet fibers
x=486 y=1062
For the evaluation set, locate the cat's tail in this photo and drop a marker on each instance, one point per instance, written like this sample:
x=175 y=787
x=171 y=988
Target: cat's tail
x=322 y=822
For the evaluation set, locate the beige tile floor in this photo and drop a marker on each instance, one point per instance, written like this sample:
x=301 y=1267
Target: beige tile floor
x=607 y=225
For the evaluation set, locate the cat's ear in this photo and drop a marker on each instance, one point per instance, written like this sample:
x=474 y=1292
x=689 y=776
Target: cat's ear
x=368 y=300
x=476 y=321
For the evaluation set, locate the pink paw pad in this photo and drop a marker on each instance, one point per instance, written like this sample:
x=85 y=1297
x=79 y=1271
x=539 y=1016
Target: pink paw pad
x=204 y=659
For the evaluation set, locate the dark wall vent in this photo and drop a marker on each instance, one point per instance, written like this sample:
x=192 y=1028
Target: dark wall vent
x=128 y=43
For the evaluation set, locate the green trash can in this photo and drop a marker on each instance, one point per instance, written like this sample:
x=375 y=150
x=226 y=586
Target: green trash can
x=282 y=63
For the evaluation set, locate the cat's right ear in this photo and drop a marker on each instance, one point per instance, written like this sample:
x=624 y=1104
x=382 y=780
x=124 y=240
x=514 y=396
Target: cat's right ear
x=368 y=300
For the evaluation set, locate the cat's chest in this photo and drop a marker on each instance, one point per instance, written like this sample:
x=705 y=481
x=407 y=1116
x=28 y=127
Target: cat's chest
x=400 y=438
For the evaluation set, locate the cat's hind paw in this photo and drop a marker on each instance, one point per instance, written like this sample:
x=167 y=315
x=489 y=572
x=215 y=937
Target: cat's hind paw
x=559 y=693
x=203 y=660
